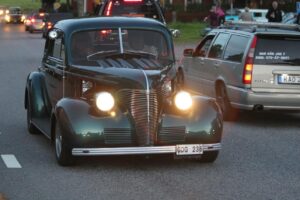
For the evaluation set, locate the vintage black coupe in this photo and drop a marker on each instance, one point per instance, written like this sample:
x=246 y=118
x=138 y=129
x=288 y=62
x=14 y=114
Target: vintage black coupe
x=108 y=86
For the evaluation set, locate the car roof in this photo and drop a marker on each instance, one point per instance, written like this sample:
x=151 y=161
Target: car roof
x=79 y=24
x=258 y=31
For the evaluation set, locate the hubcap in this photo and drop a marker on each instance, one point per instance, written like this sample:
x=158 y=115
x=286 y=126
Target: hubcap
x=58 y=141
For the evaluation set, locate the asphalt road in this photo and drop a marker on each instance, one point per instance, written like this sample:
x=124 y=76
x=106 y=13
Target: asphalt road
x=260 y=158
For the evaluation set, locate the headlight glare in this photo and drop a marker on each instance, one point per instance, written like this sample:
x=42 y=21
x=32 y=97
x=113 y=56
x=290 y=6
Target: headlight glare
x=183 y=100
x=105 y=101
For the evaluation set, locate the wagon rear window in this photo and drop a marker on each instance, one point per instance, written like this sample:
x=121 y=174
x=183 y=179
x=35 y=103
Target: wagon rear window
x=277 y=50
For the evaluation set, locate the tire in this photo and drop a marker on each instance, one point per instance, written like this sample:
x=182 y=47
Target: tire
x=30 y=30
x=229 y=113
x=62 y=151
x=30 y=126
x=209 y=157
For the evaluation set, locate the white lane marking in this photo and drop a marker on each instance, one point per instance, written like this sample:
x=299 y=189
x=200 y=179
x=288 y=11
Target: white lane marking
x=10 y=161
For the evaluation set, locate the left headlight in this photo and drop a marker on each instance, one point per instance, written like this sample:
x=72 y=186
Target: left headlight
x=105 y=101
x=183 y=100
x=23 y=17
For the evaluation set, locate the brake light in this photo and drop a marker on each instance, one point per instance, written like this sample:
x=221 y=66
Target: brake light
x=248 y=68
x=108 y=11
x=49 y=25
x=128 y=1
x=42 y=14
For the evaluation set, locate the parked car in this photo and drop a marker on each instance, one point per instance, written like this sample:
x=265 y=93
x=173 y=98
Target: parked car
x=108 y=86
x=259 y=15
x=135 y=8
x=252 y=66
x=34 y=22
x=52 y=18
x=14 y=15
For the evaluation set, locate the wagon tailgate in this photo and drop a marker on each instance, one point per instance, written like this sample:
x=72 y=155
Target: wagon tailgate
x=277 y=64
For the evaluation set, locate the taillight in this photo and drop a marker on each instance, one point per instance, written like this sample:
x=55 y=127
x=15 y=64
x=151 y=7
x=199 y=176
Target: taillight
x=248 y=68
x=108 y=11
x=49 y=25
x=32 y=20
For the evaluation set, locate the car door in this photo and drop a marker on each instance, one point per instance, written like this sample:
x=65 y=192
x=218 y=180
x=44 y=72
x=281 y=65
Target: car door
x=194 y=66
x=232 y=67
x=214 y=61
x=53 y=66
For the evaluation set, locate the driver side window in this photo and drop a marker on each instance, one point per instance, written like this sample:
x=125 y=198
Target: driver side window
x=202 y=49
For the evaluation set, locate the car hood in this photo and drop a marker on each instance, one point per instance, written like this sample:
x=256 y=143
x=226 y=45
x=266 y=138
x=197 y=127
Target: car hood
x=125 y=78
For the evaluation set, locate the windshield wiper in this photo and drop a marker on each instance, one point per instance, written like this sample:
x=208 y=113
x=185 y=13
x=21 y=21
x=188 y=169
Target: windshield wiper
x=102 y=53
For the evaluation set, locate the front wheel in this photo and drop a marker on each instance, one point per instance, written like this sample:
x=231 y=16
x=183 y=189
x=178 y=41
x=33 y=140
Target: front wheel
x=62 y=151
x=30 y=126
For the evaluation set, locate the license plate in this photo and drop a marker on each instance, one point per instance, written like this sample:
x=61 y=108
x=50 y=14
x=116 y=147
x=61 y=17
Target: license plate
x=288 y=79
x=189 y=149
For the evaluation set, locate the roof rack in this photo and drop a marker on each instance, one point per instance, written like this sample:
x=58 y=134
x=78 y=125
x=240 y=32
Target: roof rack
x=255 y=25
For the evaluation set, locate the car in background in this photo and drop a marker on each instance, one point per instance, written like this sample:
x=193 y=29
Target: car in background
x=108 y=86
x=259 y=15
x=51 y=19
x=290 y=18
x=133 y=8
x=14 y=15
x=247 y=65
x=34 y=22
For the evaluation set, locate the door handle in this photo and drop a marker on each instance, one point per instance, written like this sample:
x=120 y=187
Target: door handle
x=217 y=65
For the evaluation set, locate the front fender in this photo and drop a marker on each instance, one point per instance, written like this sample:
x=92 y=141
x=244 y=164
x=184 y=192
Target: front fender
x=203 y=123
x=37 y=95
x=82 y=125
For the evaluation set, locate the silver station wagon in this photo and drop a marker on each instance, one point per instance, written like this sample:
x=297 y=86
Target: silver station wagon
x=247 y=65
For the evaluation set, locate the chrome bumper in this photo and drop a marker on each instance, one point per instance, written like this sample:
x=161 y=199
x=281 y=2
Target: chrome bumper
x=135 y=150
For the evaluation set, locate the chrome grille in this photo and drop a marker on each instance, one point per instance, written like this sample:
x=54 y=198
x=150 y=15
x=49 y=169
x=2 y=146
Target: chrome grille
x=144 y=111
x=172 y=135
x=118 y=136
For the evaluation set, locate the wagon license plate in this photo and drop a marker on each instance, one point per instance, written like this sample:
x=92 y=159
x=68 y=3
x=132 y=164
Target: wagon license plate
x=288 y=79
x=189 y=149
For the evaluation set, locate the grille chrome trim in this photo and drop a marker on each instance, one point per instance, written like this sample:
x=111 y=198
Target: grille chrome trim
x=136 y=150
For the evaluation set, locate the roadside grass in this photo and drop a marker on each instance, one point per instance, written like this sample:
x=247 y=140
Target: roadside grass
x=190 y=32
x=26 y=5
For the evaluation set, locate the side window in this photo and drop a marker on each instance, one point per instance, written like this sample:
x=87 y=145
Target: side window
x=57 y=48
x=235 y=49
x=217 y=48
x=203 y=47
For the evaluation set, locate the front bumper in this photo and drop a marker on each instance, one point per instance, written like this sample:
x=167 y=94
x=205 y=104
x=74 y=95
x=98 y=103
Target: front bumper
x=136 y=150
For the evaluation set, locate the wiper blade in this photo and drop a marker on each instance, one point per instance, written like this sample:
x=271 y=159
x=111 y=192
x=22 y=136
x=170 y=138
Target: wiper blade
x=140 y=53
x=102 y=53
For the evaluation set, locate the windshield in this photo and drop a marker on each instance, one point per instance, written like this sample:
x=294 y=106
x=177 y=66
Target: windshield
x=131 y=48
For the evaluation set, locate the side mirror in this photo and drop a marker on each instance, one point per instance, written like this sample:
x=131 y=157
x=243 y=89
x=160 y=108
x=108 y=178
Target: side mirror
x=188 y=52
x=175 y=32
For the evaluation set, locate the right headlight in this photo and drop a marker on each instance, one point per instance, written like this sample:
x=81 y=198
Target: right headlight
x=105 y=101
x=183 y=100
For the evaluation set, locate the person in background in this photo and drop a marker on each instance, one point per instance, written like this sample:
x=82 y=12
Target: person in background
x=274 y=14
x=220 y=12
x=246 y=15
x=213 y=17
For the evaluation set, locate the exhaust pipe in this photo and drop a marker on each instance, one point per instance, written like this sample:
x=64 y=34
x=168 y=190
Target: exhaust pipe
x=258 y=107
